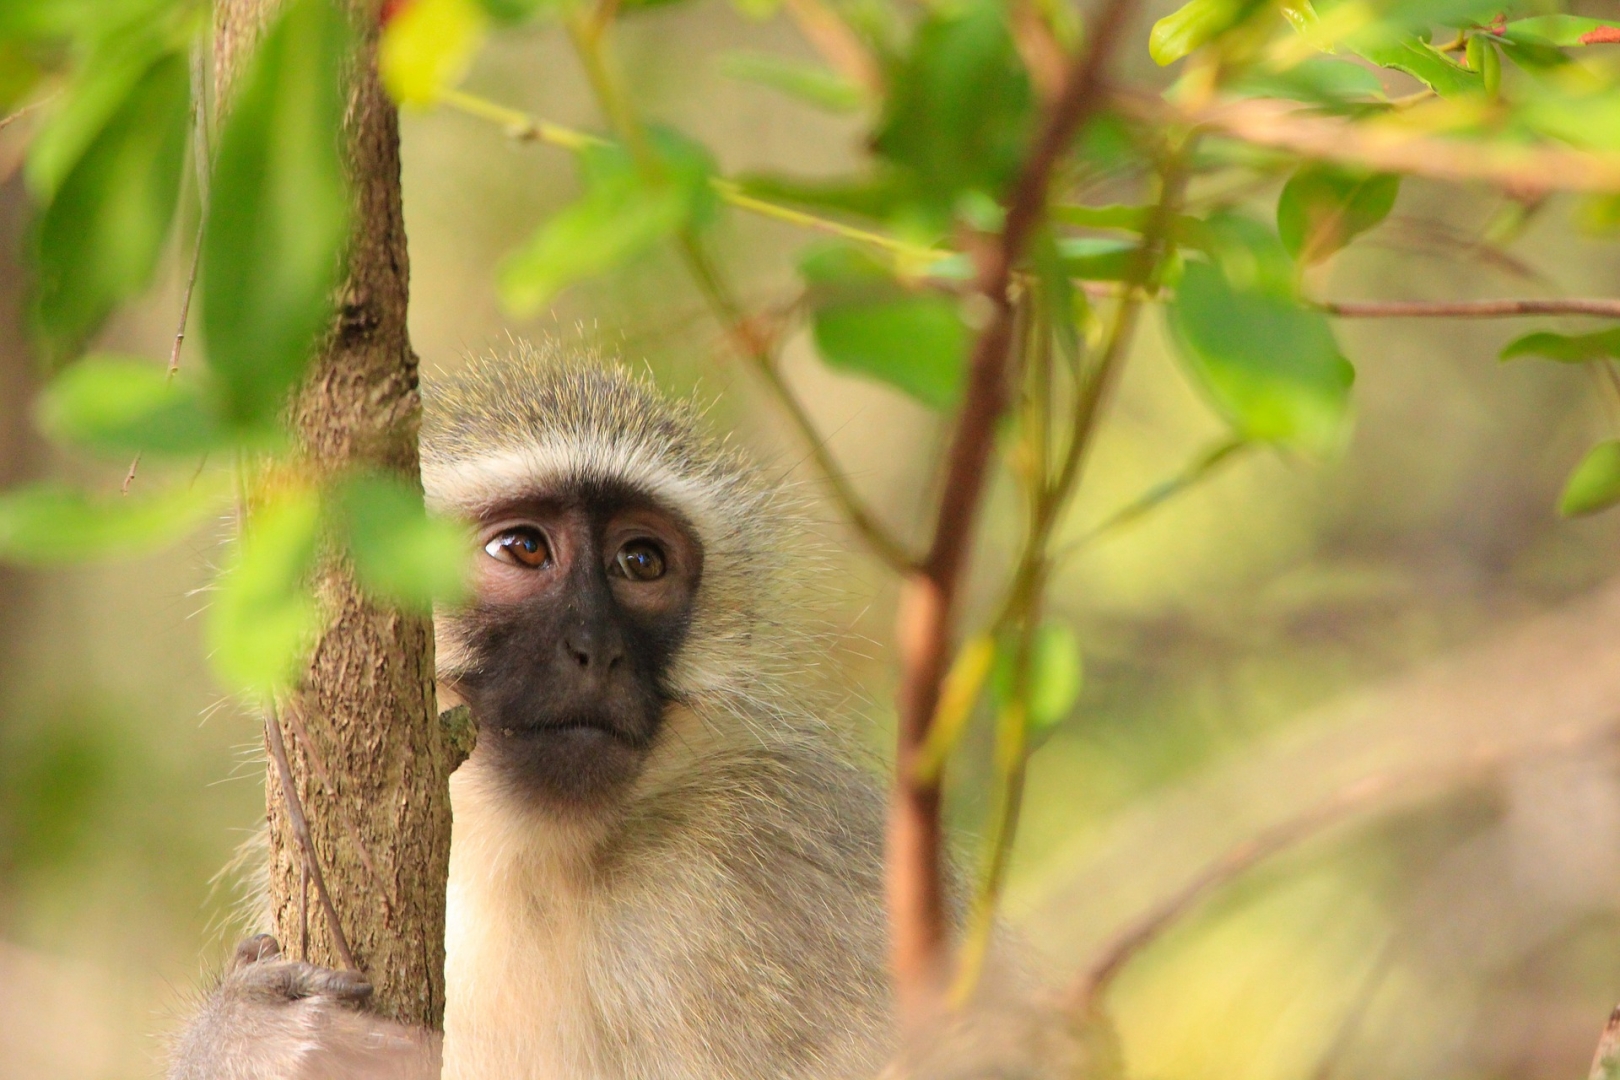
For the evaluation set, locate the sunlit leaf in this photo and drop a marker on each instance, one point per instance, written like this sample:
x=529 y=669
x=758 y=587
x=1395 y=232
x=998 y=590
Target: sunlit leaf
x=1249 y=253
x=1055 y=675
x=427 y=46
x=1595 y=483
x=627 y=208
x=130 y=405
x=811 y=84
x=108 y=219
x=50 y=523
x=1423 y=62
x=263 y=618
x=1566 y=348
x=279 y=211
x=400 y=553
x=958 y=694
x=1268 y=363
x=960 y=110
x=1191 y=26
x=1562 y=30
x=866 y=322
x=1322 y=208
x=1318 y=80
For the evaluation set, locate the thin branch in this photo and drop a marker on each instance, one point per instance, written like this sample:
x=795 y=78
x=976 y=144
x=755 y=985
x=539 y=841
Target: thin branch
x=1086 y=993
x=1606 y=1060
x=1194 y=472
x=915 y=884
x=1469 y=309
x=840 y=46
x=12 y=117
x=300 y=827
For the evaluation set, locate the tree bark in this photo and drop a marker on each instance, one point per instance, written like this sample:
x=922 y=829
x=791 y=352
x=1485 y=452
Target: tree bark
x=369 y=762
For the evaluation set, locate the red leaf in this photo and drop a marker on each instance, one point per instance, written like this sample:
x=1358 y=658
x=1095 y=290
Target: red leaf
x=1603 y=35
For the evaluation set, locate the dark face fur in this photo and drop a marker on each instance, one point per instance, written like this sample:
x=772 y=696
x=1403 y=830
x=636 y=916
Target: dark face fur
x=582 y=601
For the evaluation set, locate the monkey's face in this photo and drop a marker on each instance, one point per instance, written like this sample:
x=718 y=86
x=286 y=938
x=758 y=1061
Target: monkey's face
x=582 y=600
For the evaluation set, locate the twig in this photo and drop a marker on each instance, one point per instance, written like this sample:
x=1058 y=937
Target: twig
x=837 y=43
x=1606 y=1060
x=915 y=886
x=1468 y=309
x=300 y=827
x=1086 y=993
x=12 y=117
x=1157 y=495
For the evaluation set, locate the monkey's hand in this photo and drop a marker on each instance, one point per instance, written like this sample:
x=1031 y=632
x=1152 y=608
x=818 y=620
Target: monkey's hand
x=275 y=1019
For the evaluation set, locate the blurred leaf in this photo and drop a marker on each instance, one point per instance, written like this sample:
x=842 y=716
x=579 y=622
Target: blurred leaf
x=510 y=12
x=46 y=524
x=1055 y=675
x=811 y=84
x=108 y=220
x=1423 y=62
x=278 y=212
x=1193 y=25
x=1483 y=58
x=1595 y=483
x=1269 y=364
x=1318 y=80
x=960 y=111
x=868 y=197
x=130 y=405
x=957 y=695
x=1248 y=252
x=20 y=72
x=866 y=322
x=1092 y=258
x=1566 y=348
x=427 y=46
x=263 y=617
x=757 y=9
x=1128 y=218
x=1322 y=208
x=400 y=553
x=1562 y=30
x=623 y=212
x=1589 y=120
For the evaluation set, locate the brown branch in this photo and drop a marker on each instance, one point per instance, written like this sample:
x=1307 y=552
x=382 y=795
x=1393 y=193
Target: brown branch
x=1468 y=309
x=916 y=898
x=1086 y=994
x=300 y=826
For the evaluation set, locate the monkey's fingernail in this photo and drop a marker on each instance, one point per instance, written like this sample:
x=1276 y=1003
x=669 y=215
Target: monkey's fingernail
x=256 y=948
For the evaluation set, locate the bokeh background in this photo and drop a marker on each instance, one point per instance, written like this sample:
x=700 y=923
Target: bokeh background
x=1412 y=618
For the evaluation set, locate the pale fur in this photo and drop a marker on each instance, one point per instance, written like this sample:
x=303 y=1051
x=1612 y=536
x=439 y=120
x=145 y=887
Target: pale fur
x=723 y=920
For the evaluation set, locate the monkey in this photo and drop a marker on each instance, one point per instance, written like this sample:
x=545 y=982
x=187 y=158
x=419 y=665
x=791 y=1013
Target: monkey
x=665 y=860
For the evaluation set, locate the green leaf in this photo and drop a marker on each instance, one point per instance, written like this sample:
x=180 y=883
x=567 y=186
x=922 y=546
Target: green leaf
x=264 y=619
x=129 y=405
x=1248 y=252
x=809 y=83
x=960 y=111
x=427 y=46
x=1322 y=208
x=400 y=553
x=866 y=322
x=624 y=211
x=1423 y=62
x=1318 y=80
x=1269 y=365
x=1595 y=483
x=1056 y=675
x=1563 y=31
x=48 y=524
x=1190 y=26
x=108 y=220
x=1566 y=348
x=1092 y=258
x=279 y=211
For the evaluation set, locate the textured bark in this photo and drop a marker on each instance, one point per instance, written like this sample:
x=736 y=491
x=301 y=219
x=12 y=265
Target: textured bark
x=368 y=759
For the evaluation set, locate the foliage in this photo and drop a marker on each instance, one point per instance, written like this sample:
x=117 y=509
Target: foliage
x=1282 y=133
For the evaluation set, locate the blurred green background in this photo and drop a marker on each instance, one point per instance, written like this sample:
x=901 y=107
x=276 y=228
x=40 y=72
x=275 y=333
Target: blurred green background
x=1414 y=609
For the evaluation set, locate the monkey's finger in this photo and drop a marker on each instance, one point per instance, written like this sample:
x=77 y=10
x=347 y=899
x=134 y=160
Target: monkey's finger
x=347 y=987
x=255 y=949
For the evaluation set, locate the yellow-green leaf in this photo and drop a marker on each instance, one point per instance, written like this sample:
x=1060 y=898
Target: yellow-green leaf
x=427 y=47
x=400 y=553
x=1595 y=483
x=47 y=524
x=263 y=617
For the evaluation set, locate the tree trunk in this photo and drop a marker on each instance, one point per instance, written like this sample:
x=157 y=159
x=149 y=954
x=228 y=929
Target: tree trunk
x=368 y=759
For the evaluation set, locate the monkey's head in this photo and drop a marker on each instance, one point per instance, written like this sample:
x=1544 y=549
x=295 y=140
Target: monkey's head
x=623 y=562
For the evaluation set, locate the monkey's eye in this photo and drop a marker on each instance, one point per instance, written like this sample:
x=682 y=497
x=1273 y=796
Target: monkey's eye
x=641 y=560
x=522 y=546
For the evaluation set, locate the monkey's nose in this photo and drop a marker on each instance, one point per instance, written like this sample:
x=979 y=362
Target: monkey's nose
x=592 y=653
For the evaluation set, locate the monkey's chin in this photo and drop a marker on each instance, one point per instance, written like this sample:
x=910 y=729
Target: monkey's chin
x=578 y=764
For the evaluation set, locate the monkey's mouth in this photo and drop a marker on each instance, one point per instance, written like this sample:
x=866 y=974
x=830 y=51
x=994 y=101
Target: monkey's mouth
x=581 y=729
